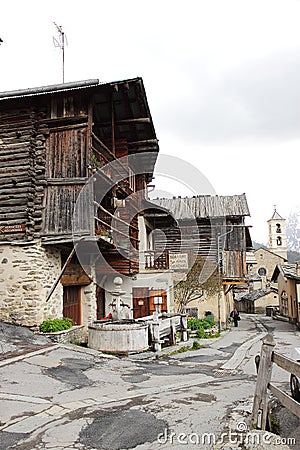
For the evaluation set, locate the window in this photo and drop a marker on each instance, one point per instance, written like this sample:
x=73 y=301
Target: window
x=192 y=312
x=278 y=228
x=279 y=240
x=262 y=271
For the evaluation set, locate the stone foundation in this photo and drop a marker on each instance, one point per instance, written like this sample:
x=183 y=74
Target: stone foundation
x=76 y=334
x=27 y=273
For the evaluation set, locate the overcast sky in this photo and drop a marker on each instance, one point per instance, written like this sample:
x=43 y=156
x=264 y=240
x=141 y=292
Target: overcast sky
x=221 y=77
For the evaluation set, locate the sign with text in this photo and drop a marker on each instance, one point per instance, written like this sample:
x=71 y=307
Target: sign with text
x=178 y=261
x=12 y=228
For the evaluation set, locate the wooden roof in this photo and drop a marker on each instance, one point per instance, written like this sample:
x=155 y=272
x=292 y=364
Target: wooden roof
x=205 y=206
x=120 y=112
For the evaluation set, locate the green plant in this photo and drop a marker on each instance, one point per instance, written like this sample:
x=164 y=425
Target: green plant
x=210 y=319
x=201 y=333
x=97 y=162
x=54 y=325
x=196 y=345
x=195 y=324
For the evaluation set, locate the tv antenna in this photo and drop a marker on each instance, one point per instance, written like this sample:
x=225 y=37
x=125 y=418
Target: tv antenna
x=60 y=43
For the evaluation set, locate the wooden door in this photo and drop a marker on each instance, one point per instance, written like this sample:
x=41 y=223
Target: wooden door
x=72 y=303
x=140 y=302
x=100 y=295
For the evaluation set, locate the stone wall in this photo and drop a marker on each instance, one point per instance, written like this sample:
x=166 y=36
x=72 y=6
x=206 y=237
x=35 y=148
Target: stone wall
x=76 y=334
x=267 y=260
x=27 y=273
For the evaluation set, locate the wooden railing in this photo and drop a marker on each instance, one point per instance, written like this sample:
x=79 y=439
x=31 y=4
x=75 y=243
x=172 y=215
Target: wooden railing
x=264 y=363
x=156 y=260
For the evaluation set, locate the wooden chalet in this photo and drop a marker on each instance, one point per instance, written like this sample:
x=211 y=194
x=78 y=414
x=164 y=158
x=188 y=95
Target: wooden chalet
x=209 y=226
x=212 y=227
x=54 y=142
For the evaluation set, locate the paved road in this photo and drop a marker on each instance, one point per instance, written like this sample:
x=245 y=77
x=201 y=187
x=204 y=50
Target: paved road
x=67 y=397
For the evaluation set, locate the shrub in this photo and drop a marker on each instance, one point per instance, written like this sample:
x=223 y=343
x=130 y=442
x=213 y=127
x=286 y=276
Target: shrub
x=201 y=333
x=210 y=319
x=196 y=345
x=53 y=325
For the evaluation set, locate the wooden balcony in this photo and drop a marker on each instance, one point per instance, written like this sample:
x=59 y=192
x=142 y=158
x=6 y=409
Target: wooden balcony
x=156 y=261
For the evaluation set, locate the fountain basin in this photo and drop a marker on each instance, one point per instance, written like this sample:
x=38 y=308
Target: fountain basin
x=121 y=337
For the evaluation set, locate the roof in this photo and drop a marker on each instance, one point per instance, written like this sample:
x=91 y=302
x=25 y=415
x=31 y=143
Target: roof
x=269 y=251
x=287 y=270
x=120 y=112
x=19 y=93
x=205 y=206
x=255 y=295
x=276 y=216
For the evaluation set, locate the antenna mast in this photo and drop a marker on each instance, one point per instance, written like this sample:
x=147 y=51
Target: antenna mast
x=60 y=42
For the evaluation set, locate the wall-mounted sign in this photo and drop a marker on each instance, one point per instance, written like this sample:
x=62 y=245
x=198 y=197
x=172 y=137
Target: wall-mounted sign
x=12 y=228
x=178 y=261
x=140 y=302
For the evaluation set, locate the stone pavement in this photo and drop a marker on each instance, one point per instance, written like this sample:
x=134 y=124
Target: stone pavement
x=69 y=397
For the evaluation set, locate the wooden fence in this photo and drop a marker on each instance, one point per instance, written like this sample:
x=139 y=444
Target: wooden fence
x=264 y=363
x=163 y=328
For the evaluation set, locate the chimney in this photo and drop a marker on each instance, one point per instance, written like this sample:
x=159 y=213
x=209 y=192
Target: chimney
x=298 y=268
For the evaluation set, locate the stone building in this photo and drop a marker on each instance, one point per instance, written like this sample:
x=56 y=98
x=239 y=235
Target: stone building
x=287 y=277
x=71 y=156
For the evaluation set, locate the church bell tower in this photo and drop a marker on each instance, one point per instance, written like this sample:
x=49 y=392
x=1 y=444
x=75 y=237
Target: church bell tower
x=277 y=234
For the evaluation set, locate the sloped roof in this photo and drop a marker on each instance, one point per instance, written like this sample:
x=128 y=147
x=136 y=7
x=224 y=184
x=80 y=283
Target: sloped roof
x=132 y=121
x=287 y=270
x=205 y=206
x=276 y=216
x=255 y=295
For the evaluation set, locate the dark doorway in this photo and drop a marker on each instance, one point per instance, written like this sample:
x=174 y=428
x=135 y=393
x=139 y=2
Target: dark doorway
x=100 y=295
x=72 y=304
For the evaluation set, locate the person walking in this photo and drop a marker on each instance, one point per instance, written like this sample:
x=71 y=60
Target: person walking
x=235 y=316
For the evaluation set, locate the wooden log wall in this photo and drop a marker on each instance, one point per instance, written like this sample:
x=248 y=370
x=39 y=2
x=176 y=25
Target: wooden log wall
x=22 y=174
x=202 y=240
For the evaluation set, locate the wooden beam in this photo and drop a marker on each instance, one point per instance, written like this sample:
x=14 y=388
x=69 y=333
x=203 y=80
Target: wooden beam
x=287 y=364
x=115 y=217
x=67 y=181
x=124 y=122
x=260 y=402
x=61 y=273
x=285 y=400
x=115 y=229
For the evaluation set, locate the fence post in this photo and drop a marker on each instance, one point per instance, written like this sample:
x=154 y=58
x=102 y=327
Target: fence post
x=260 y=402
x=183 y=328
x=172 y=331
x=156 y=342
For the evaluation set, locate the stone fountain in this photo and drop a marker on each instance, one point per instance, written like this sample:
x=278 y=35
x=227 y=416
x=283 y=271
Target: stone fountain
x=120 y=335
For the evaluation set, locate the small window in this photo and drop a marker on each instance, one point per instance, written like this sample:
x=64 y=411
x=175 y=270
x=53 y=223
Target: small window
x=262 y=271
x=279 y=240
x=278 y=228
